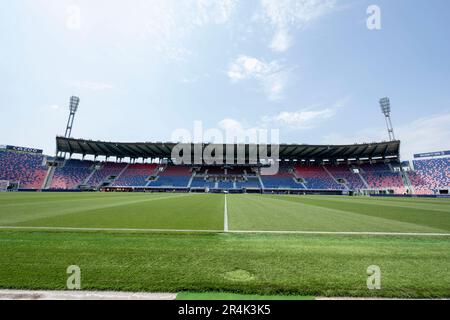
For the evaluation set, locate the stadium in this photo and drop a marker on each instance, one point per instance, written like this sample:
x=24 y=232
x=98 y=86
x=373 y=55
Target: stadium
x=141 y=221
x=289 y=186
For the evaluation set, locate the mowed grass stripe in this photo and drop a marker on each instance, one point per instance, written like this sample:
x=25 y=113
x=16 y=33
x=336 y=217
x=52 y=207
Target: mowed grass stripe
x=411 y=199
x=437 y=220
x=141 y=211
x=411 y=204
x=15 y=211
x=277 y=213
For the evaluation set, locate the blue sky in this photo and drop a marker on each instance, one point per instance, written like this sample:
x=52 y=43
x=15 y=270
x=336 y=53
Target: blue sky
x=310 y=68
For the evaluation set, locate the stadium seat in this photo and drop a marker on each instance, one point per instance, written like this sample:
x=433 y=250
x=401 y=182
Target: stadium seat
x=343 y=171
x=430 y=175
x=380 y=176
x=316 y=178
x=106 y=170
x=72 y=174
x=25 y=168
x=136 y=175
x=173 y=176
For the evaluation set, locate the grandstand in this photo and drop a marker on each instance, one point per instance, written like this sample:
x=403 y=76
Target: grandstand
x=302 y=169
x=72 y=174
x=382 y=176
x=429 y=176
x=27 y=169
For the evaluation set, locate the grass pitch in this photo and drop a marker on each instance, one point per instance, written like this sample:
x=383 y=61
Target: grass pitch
x=215 y=261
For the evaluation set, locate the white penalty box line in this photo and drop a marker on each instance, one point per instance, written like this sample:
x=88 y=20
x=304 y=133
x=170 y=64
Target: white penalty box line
x=225 y=216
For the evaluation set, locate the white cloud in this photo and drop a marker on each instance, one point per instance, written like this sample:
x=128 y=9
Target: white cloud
x=270 y=75
x=426 y=134
x=286 y=14
x=305 y=118
x=166 y=24
x=91 y=85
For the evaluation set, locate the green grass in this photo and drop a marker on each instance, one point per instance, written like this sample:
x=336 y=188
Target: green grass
x=245 y=264
x=274 y=264
x=95 y=210
x=322 y=213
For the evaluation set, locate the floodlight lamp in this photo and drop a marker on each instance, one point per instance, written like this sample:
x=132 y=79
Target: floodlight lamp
x=74 y=101
x=385 y=105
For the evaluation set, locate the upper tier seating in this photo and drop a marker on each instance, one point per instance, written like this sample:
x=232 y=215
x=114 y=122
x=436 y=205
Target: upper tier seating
x=212 y=170
x=136 y=175
x=239 y=171
x=25 y=168
x=316 y=178
x=72 y=174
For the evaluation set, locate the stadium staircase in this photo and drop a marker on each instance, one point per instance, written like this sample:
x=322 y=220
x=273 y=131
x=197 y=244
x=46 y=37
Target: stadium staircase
x=407 y=182
x=149 y=182
x=121 y=172
x=334 y=179
x=95 y=168
x=159 y=169
x=48 y=178
x=362 y=178
x=192 y=178
x=402 y=175
x=260 y=180
x=298 y=178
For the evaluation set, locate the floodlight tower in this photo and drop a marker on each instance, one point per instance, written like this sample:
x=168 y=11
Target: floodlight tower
x=385 y=105
x=73 y=107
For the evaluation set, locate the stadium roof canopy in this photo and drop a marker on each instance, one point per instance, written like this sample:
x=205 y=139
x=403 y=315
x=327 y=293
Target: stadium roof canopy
x=163 y=150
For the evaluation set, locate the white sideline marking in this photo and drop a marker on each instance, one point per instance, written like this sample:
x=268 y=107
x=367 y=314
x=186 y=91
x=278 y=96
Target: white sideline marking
x=225 y=216
x=349 y=233
x=82 y=295
x=107 y=229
